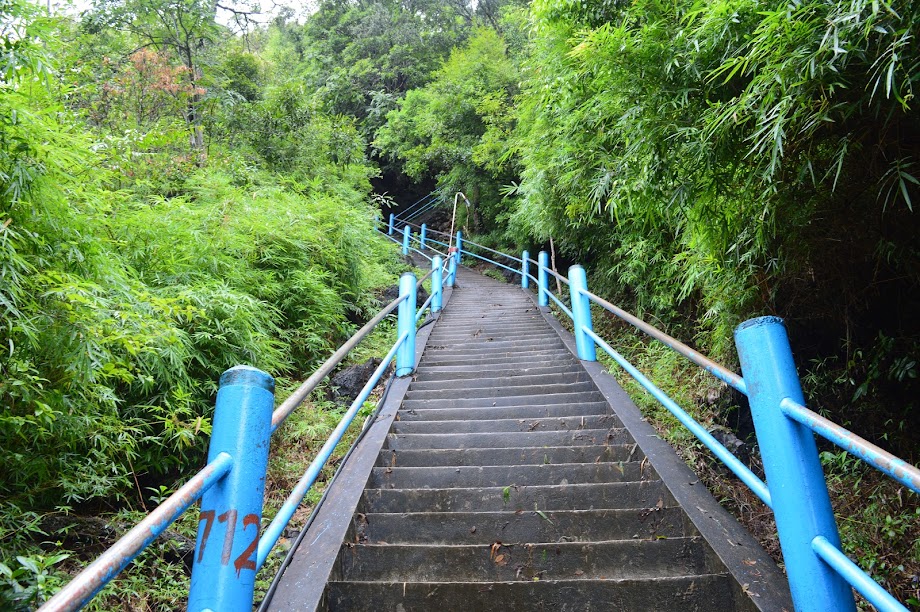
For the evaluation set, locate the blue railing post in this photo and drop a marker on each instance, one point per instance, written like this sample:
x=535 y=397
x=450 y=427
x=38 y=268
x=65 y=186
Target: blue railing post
x=407 y=233
x=421 y=237
x=459 y=246
x=392 y=218
x=798 y=490
x=542 y=279
x=525 y=270
x=437 y=284
x=405 y=356
x=581 y=313
x=224 y=566
x=451 y=266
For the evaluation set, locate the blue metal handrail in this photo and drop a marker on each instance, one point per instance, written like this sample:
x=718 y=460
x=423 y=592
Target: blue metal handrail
x=420 y=202
x=286 y=512
x=733 y=463
x=231 y=485
x=820 y=575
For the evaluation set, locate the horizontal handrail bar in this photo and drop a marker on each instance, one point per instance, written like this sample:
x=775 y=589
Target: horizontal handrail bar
x=559 y=303
x=421 y=201
x=297 y=397
x=391 y=238
x=417 y=238
x=550 y=271
x=717 y=370
x=425 y=255
x=424 y=278
x=733 y=463
x=421 y=211
x=276 y=527
x=512 y=257
x=853 y=574
x=92 y=579
x=438 y=242
x=438 y=232
x=486 y=259
x=415 y=204
x=557 y=275
x=421 y=310
x=878 y=458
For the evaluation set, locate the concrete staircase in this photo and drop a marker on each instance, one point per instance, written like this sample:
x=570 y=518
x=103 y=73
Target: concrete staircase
x=507 y=481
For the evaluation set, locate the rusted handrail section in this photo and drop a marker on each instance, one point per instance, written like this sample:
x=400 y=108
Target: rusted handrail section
x=91 y=580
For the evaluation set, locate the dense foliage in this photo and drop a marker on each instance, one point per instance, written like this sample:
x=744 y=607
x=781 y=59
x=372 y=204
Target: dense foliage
x=178 y=195
x=167 y=212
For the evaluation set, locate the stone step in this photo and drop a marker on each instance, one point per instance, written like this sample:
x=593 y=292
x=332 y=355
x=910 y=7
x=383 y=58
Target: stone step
x=509 y=456
x=482 y=327
x=485 y=351
x=590 y=496
x=462 y=401
x=586 y=437
x=700 y=593
x=533 y=525
x=568 y=423
x=562 y=360
x=439 y=477
x=503 y=412
x=499 y=390
x=473 y=372
x=510 y=382
x=610 y=560
x=559 y=356
x=516 y=345
x=481 y=335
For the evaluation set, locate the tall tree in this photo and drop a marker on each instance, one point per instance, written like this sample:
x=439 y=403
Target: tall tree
x=185 y=29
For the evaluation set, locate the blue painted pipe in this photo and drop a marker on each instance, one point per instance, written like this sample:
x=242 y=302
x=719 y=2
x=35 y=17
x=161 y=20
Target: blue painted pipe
x=451 y=266
x=543 y=279
x=801 y=503
x=437 y=284
x=407 y=233
x=459 y=247
x=224 y=566
x=862 y=582
x=390 y=230
x=878 y=458
x=283 y=517
x=741 y=471
x=420 y=202
x=421 y=236
x=492 y=261
x=525 y=269
x=581 y=313
x=405 y=324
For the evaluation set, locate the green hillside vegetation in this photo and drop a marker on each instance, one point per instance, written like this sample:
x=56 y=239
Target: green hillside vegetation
x=178 y=196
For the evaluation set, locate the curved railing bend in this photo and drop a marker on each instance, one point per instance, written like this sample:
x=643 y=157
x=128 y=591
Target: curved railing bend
x=229 y=550
x=820 y=574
